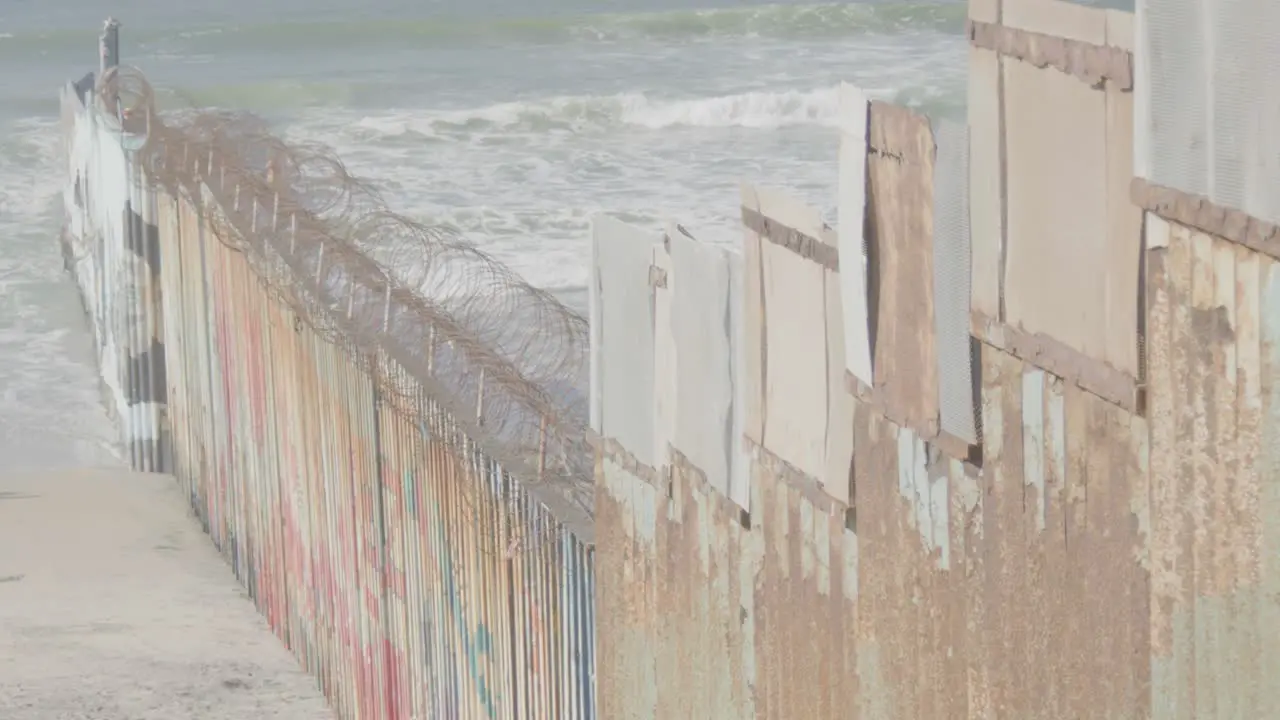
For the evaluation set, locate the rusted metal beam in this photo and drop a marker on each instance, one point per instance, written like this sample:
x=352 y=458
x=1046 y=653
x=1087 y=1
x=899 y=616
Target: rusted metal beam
x=1201 y=213
x=1067 y=363
x=1088 y=62
x=806 y=246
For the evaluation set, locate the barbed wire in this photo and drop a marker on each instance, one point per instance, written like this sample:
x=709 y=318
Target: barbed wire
x=506 y=360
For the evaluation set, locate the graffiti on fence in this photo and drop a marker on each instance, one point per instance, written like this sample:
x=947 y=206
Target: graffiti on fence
x=477 y=642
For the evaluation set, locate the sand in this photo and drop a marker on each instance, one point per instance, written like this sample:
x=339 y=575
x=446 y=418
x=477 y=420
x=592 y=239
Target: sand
x=115 y=605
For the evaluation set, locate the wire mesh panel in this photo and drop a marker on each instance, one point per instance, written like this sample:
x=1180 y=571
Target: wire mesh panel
x=1246 y=105
x=1176 y=137
x=951 y=280
x=1206 y=104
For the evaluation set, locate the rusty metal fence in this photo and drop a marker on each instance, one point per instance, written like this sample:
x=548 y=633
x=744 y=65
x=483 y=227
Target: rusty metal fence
x=397 y=476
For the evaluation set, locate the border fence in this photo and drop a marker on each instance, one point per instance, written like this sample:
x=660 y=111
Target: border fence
x=347 y=435
x=994 y=446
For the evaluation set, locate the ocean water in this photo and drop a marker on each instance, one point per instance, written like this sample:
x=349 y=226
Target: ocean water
x=513 y=121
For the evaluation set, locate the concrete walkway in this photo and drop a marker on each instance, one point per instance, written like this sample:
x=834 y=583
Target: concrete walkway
x=115 y=606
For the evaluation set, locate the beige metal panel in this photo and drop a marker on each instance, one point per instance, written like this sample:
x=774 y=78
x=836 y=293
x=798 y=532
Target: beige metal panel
x=986 y=180
x=1254 y=635
x=666 y=398
x=1057 y=18
x=852 y=241
x=753 y=332
x=1168 y=295
x=987 y=11
x=1055 y=271
x=1120 y=29
x=622 y=256
x=792 y=368
x=1263 y=608
x=796 y=359
x=788 y=210
x=740 y=461
x=839 y=440
x=700 y=294
x=1122 y=260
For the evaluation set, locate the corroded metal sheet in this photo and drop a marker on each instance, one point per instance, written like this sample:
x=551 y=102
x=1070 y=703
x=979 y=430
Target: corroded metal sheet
x=900 y=161
x=705 y=616
x=1017 y=591
x=1211 y=339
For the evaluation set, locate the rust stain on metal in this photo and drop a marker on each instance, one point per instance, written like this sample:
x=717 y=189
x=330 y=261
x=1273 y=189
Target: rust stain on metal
x=717 y=618
x=899 y=238
x=820 y=250
x=1044 y=576
x=1056 y=357
x=1200 y=213
x=931 y=431
x=657 y=276
x=1089 y=63
x=1208 y=370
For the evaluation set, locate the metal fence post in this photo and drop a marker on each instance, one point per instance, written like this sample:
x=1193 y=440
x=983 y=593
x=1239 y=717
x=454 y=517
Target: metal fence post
x=109 y=46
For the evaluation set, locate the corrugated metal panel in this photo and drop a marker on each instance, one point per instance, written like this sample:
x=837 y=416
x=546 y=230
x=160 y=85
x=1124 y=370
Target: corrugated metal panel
x=1213 y=515
x=1246 y=105
x=1015 y=597
x=912 y=658
x=1261 y=606
x=708 y=618
x=1206 y=115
